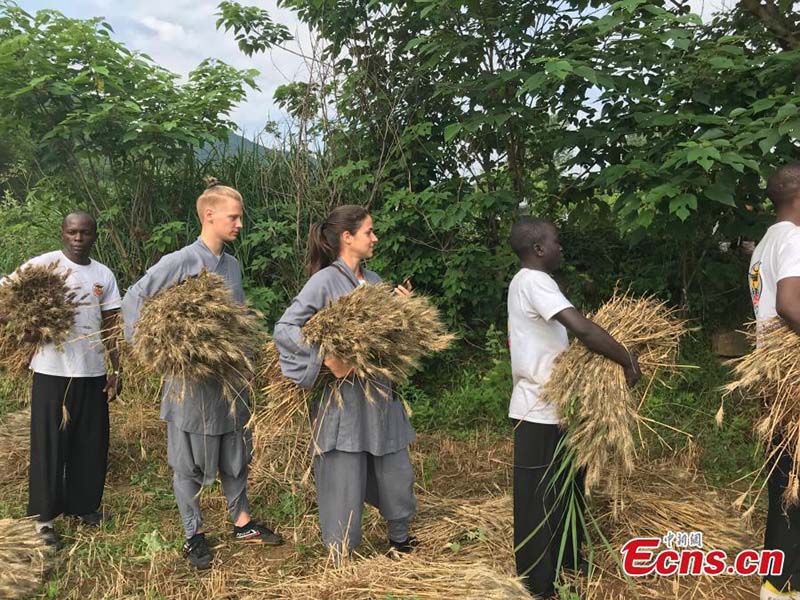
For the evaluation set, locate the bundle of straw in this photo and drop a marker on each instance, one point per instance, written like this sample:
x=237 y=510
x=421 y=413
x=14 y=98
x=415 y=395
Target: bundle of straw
x=196 y=331
x=35 y=300
x=377 y=332
x=598 y=409
x=24 y=558
x=772 y=372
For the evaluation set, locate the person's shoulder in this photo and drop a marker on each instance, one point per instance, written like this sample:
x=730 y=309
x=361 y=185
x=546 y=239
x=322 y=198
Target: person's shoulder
x=46 y=258
x=372 y=276
x=323 y=276
x=232 y=258
x=103 y=268
x=537 y=278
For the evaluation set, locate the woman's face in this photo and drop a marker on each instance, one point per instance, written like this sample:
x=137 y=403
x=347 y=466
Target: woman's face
x=362 y=241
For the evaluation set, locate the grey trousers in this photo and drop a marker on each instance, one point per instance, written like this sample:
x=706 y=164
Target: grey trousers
x=345 y=480
x=195 y=460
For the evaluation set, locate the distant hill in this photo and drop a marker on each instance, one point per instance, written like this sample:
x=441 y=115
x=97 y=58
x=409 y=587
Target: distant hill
x=231 y=147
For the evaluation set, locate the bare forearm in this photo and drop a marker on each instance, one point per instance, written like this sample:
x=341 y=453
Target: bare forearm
x=598 y=340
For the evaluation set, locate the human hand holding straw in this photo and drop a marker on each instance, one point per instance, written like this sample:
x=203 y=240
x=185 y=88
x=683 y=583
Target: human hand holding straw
x=338 y=367
x=406 y=289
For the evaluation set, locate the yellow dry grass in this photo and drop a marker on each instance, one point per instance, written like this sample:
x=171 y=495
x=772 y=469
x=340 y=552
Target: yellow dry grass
x=599 y=411
x=35 y=300
x=24 y=559
x=195 y=331
x=771 y=374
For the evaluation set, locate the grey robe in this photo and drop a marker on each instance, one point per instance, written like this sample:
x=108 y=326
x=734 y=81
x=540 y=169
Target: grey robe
x=379 y=427
x=202 y=408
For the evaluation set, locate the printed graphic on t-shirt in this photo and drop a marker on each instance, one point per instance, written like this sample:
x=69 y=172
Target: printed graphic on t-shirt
x=755 y=284
x=97 y=289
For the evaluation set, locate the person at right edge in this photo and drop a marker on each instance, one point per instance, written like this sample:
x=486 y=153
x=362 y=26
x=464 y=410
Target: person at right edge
x=539 y=317
x=774 y=282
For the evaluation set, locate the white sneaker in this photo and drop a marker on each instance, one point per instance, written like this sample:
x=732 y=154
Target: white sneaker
x=768 y=592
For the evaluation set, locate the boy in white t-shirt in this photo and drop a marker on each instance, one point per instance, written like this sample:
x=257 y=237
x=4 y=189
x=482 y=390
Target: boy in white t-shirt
x=68 y=460
x=539 y=317
x=774 y=282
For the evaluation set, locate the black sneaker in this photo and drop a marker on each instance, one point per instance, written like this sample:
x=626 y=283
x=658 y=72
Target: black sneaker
x=405 y=547
x=49 y=537
x=255 y=533
x=196 y=551
x=92 y=519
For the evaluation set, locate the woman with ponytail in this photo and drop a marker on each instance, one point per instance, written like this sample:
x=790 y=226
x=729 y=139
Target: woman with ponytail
x=360 y=446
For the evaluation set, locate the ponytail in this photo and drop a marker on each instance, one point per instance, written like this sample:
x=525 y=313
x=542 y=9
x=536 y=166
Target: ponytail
x=324 y=238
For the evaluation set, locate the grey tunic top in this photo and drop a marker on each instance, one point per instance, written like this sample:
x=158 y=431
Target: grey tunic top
x=192 y=406
x=358 y=425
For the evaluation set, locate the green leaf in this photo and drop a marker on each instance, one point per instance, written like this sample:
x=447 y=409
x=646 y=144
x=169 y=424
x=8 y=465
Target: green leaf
x=452 y=131
x=720 y=193
x=787 y=110
x=768 y=143
x=587 y=73
x=762 y=105
x=736 y=112
x=559 y=68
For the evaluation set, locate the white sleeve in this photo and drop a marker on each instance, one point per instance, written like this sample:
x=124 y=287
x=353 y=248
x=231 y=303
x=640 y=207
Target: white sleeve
x=544 y=296
x=789 y=257
x=111 y=299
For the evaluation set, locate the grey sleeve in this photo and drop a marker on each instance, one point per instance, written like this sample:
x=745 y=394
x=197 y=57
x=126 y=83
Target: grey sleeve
x=164 y=273
x=299 y=362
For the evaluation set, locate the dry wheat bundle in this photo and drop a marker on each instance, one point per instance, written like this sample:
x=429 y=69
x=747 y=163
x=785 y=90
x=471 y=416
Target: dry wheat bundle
x=598 y=409
x=772 y=372
x=196 y=331
x=37 y=300
x=411 y=577
x=378 y=333
x=24 y=558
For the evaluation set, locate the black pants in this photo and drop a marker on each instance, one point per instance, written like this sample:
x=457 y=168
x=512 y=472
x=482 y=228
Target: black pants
x=540 y=506
x=68 y=465
x=783 y=526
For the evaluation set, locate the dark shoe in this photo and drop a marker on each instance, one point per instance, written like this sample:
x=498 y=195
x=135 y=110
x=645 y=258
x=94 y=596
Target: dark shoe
x=255 y=533
x=49 y=537
x=92 y=519
x=405 y=547
x=196 y=551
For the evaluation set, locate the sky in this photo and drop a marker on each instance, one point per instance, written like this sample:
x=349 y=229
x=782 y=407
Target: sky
x=179 y=34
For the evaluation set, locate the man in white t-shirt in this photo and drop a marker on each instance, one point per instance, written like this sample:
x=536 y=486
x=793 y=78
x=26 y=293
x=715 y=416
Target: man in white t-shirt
x=539 y=317
x=774 y=282
x=71 y=390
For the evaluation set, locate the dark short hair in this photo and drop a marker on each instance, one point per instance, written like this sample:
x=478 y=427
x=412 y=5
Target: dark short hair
x=783 y=186
x=528 y=231
x=81 y=215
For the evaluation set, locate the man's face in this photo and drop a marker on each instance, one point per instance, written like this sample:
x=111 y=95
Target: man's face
x=225 y=219
x=78 y=234
x=550 y=251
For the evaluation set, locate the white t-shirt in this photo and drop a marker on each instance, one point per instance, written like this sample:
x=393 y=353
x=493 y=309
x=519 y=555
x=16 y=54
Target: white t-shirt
x=535 y=340
x=777 y=256
x=83 y=354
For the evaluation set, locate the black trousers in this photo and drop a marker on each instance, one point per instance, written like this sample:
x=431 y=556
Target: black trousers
x=540 y=506
x=68 y=464
x=783 y=526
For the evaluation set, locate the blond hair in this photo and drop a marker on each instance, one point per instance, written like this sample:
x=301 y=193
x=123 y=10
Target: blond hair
x=213 y=195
